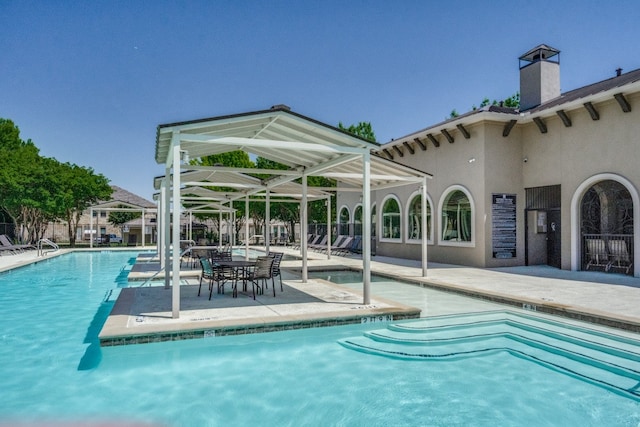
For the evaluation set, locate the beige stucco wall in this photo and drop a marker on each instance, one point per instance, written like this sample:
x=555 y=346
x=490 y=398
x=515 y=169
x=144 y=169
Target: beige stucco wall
x=570 y=155
x=567 y=156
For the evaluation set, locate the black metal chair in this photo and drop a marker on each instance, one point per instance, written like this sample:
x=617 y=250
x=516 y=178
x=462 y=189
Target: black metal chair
x=260 y=274
x=275 y=270
x=208 y=273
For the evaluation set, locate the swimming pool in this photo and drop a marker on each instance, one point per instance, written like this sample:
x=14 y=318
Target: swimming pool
x=50 y=314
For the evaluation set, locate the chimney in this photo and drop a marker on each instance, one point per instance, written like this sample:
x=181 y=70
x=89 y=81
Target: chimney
x=618 y=72
x=539 y=76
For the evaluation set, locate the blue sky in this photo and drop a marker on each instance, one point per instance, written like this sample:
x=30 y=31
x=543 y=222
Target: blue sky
x=89 y=81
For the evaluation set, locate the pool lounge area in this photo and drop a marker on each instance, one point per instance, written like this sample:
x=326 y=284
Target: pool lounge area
x=466 y=360
x=142 y=312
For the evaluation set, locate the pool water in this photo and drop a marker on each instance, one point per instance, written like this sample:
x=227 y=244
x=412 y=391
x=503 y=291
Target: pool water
x=52 y=370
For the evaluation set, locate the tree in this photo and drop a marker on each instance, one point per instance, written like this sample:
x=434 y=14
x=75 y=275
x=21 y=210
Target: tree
x=35 y=190
x=120 y=218
x=511 y=102
x=362 y=130
x=239 y=159
x=79 y=188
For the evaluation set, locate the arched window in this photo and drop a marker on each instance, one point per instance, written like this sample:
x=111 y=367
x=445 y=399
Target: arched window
x=343 y=221
x=414 y=219
x=357 y=221
x=456 y=225
x=391 y=218
x=606 y=227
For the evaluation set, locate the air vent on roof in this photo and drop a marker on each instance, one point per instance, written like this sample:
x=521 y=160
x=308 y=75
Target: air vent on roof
x=281 y=107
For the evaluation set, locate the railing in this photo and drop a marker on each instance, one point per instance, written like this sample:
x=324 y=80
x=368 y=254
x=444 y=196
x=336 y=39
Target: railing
x=183 y=253
x=41 y=242
x=608 y=252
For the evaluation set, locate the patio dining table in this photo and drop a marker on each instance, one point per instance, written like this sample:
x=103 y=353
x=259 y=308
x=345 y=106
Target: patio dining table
x=238 y=269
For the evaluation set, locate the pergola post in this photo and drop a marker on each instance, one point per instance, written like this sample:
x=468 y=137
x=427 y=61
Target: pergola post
x=267 y=224
x=175 y=267
x=425 y=235
x=142 y=227
x=220 y=229
x=366 y=227
x=159 y=223
x=246 y=227
x=303 y=229
x=328 y=202
x=90 y=228
x=166 y=243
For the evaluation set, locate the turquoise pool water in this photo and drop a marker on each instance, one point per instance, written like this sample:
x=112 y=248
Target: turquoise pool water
x=52 y=370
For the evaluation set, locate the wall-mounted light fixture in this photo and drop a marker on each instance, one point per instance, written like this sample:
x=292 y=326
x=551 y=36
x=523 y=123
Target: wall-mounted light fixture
x=525 y=159
x=471 y=160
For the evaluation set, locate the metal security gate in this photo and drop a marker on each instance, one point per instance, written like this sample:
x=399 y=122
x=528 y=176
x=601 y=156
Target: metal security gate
x=545 y=202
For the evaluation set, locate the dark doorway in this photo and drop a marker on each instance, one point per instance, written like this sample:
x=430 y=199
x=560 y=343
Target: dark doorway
x=554 y=242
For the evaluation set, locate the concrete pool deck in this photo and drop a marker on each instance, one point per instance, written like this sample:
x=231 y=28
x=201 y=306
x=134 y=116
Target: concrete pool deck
x=606 y=299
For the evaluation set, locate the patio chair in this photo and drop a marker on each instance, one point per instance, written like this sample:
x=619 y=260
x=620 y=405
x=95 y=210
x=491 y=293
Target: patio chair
x=208 y=273
x=344 y=247
x=356 y=245
x=260 y=274
x=597 y=254
x=321 y=244
x=275 y=270
x=620 y=258
x=7 y=244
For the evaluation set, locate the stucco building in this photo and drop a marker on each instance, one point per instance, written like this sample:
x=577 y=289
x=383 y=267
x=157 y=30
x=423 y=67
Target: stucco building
x=552 y=182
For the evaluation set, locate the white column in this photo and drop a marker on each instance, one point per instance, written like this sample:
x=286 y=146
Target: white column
x=90 y=229
x=143 y=233
x=366 y=227
x=233 y=224
x=246 y=227
x=303 y=230
x=328 y=202
x=267 y=223
x=159 y=223
x=167 y=229
x=175 y=268
x=220 y=229
x=425 y=236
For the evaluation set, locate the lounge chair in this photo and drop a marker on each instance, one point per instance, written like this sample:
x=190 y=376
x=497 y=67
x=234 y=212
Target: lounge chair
x=344 y=247
x=8 y=245
x=320 y=245
x=597 y=254
x=619 y=256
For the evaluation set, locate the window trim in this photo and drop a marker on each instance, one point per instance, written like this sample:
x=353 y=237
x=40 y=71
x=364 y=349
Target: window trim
x=429 y=204
x=381 y=216
x=445 y=195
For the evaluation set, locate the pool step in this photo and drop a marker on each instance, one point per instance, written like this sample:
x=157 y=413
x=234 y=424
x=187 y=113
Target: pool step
x=604 y=359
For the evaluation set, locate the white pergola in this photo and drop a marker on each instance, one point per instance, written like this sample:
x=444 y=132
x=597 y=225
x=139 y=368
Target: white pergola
x=306 y=146
x=117 y=206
